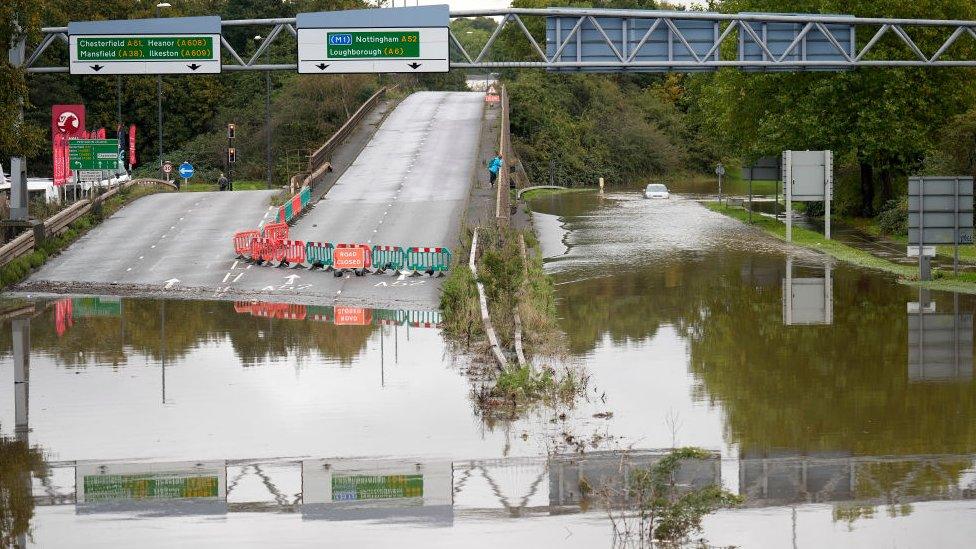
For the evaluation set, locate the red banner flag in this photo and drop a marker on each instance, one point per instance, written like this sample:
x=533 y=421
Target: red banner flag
x=67 y=121
x=132 y=145
x=100 y=134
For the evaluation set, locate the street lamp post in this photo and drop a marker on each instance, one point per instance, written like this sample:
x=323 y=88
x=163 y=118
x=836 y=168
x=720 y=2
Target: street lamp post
x=267 y=119
x=159 y=96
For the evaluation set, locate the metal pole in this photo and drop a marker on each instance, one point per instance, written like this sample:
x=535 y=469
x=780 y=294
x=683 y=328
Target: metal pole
x=955 y=238
x=828 y=189
x=788 y=191
x=921 y=229
x=750 y=197
x=267 y=122
x=118 y=99
x=20 y=331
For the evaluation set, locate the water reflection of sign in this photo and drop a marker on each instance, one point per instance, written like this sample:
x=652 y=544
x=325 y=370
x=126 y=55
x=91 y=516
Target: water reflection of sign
x=147 y=481
x=352 y=316
x=365 y=487
x=96 y=306
x=940 y=347
x=343 y=482
x=807 y=300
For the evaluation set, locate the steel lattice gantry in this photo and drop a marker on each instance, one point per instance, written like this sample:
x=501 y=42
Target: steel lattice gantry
x=571 y=39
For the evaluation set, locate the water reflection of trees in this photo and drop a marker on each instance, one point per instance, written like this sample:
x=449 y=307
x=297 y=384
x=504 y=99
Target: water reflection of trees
x=17 y=463
x=802 y=389
x=188 y=325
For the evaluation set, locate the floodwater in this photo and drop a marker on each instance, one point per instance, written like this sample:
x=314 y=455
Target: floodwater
x=843 y=418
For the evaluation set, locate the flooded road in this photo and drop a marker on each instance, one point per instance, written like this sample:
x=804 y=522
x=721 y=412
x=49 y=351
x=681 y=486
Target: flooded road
x=840 y=416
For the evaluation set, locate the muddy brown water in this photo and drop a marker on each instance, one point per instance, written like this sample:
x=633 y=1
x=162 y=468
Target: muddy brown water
x=220 y=424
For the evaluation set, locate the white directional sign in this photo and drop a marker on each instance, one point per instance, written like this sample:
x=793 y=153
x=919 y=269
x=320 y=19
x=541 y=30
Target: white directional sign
x=372 y=41
x=179 y=45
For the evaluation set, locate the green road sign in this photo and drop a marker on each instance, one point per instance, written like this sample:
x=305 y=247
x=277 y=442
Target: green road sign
x=93 y=154
x=99 y=488
x=145 y=48
x=365 y=487
x=373 y=45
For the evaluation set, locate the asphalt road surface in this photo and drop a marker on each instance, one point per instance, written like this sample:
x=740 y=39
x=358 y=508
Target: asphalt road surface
x=408 y=187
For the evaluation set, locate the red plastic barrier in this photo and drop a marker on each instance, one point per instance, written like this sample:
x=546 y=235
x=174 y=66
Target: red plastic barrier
x=243 y=306
x=281 y=214
x=296 y=205
x=295 y=252
x=242 y=242
x=352 y=256
x=257 y=249
x=276 y=231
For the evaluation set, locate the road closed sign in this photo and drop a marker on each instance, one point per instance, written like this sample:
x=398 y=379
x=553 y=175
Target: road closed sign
x=412 y=39
x=353 y=257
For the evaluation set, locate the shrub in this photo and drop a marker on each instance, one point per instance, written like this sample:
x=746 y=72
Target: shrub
x=893 y=219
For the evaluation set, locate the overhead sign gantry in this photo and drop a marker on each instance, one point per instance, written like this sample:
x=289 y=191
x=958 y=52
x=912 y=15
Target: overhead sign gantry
x=179 y=45
x=376 y=40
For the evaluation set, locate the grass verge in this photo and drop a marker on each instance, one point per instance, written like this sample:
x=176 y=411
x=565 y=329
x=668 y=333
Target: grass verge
x=536 y=193
x=19 y=269
x=247 y=185
x=815 y=241
x=942 y=280
x=967 y=252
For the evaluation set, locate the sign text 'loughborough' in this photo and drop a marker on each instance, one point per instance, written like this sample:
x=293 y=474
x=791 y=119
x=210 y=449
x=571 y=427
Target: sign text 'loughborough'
x=388 y=40
x=181 y=45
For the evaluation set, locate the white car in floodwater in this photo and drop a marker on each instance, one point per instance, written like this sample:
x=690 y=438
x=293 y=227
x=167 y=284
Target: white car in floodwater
x=656 y=190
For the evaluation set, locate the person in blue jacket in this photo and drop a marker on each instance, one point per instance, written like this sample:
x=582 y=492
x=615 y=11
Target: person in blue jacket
x=494 y=166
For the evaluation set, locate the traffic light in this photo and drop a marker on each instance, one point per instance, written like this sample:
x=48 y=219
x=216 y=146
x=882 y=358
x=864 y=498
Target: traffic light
x=231 y=155
x=231 y=128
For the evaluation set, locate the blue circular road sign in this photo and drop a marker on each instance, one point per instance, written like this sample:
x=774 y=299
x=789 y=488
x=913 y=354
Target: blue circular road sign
x=186 y=170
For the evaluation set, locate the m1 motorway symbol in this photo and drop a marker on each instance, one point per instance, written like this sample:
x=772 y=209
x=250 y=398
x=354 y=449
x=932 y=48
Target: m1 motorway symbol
x=412 y=39
x=179 y=45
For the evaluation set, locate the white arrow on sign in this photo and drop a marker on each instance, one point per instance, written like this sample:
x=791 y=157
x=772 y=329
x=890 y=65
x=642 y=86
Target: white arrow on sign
x=170 y=282
x=291 y=279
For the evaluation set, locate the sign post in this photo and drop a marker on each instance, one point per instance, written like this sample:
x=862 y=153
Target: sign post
x=409 y=39
x=808 y=176
x=93 y=154
x=720 y=171
x=186 y=171
x=167 y=169
x=940 y=211
x=766 y=168
x=178 y=45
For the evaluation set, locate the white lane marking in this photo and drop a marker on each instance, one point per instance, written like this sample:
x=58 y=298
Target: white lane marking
x=226 y=276
x=234 y=266
x=173 y=227
x=153 y=246
x=338 y=292
x=238 y=277
x=402 y=276
x=164 y=236
x=170 y=282
x=141 y=256
x=129 y=269
x=181 y=219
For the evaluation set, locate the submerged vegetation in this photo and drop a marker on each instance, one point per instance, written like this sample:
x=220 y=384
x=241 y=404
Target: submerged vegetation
x=652 y=507
x=521 y=306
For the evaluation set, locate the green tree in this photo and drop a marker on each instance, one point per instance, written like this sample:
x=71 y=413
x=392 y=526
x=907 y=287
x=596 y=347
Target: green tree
x=882 y=121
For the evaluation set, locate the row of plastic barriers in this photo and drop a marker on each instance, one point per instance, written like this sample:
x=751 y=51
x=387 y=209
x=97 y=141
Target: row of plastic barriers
x=340 y=315
x=272 y=247
x=295 y=206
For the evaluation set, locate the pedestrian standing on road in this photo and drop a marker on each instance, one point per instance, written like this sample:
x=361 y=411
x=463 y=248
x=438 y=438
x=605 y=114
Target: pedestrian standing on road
x=222 y=182
x=494 y=166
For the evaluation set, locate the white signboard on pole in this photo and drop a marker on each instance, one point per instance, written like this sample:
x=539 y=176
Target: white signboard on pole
x=394 y=40
x=808 y=176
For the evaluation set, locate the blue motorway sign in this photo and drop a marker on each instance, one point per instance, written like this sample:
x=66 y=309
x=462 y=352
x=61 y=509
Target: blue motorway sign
x=186 y=170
